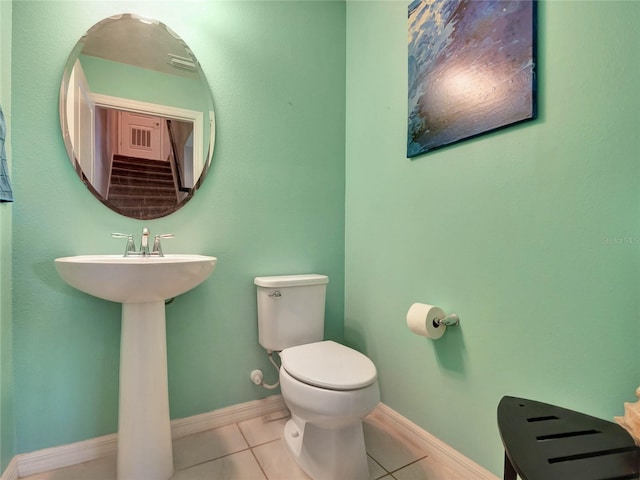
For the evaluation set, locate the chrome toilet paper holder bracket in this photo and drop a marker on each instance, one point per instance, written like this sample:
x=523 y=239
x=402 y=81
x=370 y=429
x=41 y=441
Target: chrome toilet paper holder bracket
x=451 y=320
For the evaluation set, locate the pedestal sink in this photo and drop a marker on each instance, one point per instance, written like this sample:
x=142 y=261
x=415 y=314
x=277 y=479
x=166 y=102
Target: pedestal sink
x=141 y=284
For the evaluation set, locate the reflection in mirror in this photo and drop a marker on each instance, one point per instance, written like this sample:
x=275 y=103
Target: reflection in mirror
x=137 y=117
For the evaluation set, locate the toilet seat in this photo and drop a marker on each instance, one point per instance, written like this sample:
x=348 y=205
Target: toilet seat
x=329 y=365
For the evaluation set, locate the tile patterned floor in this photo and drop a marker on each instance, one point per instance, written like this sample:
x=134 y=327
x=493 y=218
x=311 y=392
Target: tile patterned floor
x=253 y=450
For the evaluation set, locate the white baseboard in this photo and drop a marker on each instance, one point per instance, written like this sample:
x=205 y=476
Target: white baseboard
x=11 y=472
x=27 y=464
x=65 y=455
x=467 y=467
x=226 y=416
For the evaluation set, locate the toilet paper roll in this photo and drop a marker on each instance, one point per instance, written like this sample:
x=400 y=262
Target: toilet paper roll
x=420 y=319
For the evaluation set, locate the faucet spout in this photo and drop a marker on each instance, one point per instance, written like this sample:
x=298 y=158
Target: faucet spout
x=144 y=242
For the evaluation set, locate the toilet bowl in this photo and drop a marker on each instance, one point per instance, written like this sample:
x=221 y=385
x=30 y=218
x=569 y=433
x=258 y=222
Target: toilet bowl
x=329 y=388
x=335 y=387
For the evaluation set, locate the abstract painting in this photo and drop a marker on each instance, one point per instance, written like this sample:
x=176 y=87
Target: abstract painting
x=471 y=69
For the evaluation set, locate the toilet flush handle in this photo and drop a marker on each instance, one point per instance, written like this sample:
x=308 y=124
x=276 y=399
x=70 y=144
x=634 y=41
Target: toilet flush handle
x=275 y=294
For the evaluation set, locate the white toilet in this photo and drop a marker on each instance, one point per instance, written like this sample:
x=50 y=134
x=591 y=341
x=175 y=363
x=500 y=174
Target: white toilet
x=329 y=388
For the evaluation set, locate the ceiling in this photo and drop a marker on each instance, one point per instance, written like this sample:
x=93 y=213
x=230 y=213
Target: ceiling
x=139 y=42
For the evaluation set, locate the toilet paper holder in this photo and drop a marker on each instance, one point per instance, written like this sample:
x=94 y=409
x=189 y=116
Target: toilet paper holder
x=451 y=320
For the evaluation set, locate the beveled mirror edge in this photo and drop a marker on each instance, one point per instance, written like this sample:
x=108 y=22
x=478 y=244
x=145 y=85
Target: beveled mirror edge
x=63 y=98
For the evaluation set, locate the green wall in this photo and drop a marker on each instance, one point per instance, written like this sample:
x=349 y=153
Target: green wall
x=7 y=430
x=531 y=234
x=144 y=85
x=273 y=203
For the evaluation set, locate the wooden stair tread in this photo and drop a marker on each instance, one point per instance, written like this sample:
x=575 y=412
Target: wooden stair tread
x=143 y=187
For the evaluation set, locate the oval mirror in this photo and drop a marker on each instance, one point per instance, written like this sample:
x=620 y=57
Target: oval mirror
x=136 y=114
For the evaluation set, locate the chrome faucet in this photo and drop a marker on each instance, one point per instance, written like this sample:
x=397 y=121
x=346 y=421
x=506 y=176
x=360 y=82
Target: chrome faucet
x=144 y=242
x=130 y=249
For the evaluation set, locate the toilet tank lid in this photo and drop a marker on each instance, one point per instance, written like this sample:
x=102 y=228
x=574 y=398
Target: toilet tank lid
x=291 y=280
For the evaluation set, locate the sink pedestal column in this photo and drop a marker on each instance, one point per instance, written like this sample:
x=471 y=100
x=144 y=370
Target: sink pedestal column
x=144 y=429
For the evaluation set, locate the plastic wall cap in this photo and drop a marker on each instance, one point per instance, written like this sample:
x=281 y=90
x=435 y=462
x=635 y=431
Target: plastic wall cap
x=291 y=280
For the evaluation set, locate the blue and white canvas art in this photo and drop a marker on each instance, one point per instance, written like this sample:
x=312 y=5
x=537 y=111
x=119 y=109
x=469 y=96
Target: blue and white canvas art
x=471 y=69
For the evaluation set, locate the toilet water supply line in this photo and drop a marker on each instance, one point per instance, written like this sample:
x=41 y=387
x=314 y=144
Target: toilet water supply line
x=257 y=376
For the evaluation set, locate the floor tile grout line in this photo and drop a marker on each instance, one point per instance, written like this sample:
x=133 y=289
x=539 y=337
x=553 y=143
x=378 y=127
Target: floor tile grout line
x=266 y=443
x=259 y=464
x=212 y=459
x=249 y=447
x=252 y=452
x=386 y=472
x=242 y=434
x=408 y=464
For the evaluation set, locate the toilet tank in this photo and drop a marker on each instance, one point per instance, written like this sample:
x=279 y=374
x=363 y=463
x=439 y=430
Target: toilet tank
x=290 y=310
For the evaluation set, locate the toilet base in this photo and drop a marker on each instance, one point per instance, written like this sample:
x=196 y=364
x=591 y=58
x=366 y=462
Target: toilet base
x=327 y=454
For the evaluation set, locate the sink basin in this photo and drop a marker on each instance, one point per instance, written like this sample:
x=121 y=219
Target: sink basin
x=141 y=284
x=135 y=279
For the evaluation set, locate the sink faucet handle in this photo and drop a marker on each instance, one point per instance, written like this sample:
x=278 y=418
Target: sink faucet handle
x=157 y=247
x=131 y=247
